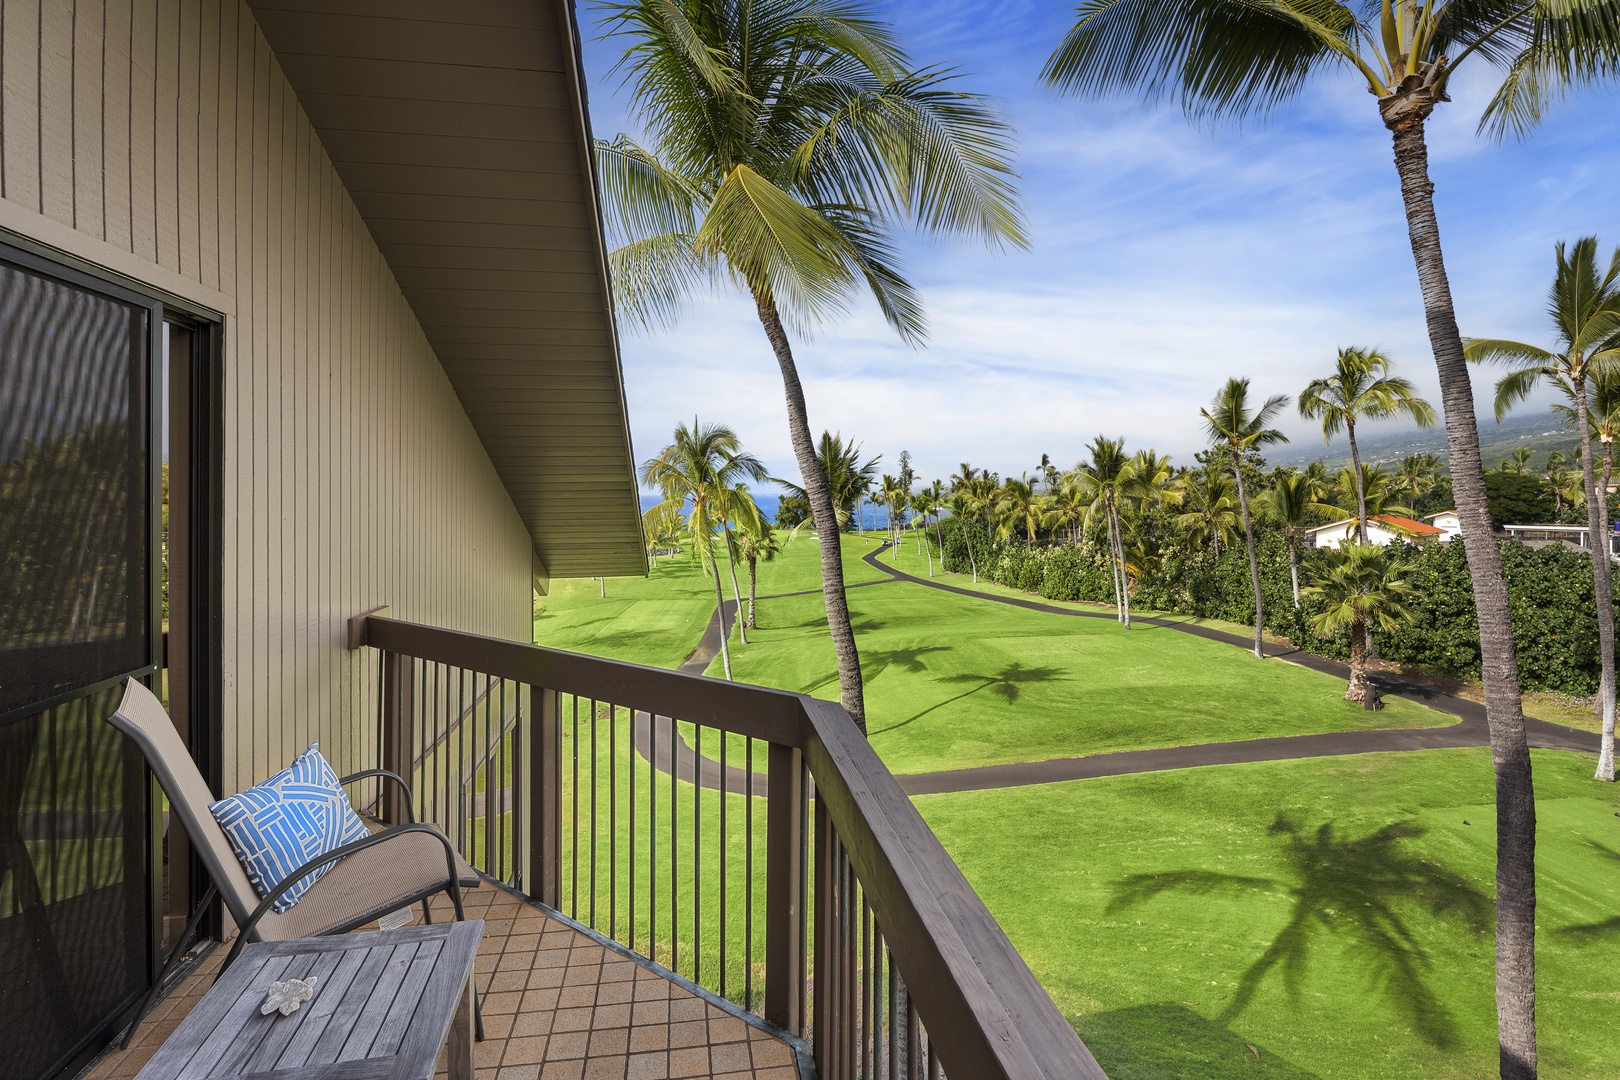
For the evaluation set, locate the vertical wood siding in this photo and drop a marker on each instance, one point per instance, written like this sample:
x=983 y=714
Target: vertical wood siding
x=353 y=477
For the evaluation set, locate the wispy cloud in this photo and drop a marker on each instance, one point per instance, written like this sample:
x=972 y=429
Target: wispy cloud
x=1166 y=257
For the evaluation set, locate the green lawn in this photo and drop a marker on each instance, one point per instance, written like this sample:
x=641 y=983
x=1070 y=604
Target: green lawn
x=953 y=682
x=657 y=620
x=1318 y=918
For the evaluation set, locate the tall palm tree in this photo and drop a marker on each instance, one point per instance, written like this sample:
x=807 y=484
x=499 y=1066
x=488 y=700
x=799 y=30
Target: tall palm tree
x=1237 y=57
x=1210 y=515
x=1290 y=505
x=964 y=508
x=1584 y=303
x=1361 y=387
x=889 y=495
x=1019 y=508
x=1360 y=586
x=936 y=504
x=922 y=504
x=1230 y=423
x=789 y=141
x=757 y=543
x=699 y=472
x=735 y=505
x=661 y=527
x=1102 y=482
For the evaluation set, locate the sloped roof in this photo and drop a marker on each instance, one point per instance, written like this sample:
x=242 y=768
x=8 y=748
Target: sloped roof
x=1406 y=524
x=461 y=133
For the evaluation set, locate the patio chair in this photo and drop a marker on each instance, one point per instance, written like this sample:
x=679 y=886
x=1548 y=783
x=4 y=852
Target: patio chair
x=388 y=871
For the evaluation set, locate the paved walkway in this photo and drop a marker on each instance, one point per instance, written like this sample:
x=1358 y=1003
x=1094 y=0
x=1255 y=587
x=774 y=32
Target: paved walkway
x=653 y=735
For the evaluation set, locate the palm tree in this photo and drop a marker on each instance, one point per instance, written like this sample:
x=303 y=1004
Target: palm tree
x=1101 y=482
x=922 y=504
x=1361 y=386
x=889 y=495
x=936 y=503
x=661 y=526
x=1236 y=57
x=1416 y=476
x=736 y=504
x=756 y=544
x=1360 y=586
x=1230 y=424
x=1557 y=475
x=790 y=141
x=700 y=472
x=1019 y=508
x=1603 y=413
x=1371 y=489
x=964 y=507
x=1518 y=461
x=1211 y=517
x=1290 y=505
x=1584 y=303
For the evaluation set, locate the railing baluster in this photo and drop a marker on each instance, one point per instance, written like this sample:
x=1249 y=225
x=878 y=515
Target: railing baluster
x=674 y=848
x=748 y=874
x=573 y=848
x=594 y=844
x=613 y=821
x=631 y=859
x=784 y=889
x=697 y=853
x=721 y=854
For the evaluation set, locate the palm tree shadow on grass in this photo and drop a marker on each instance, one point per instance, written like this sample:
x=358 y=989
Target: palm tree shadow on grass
x=1350 y=890
x=1008 y=684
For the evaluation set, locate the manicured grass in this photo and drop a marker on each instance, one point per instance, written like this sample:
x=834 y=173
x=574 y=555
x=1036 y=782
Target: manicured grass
x=953 y=681
x=657 y=620
x=1314 y=918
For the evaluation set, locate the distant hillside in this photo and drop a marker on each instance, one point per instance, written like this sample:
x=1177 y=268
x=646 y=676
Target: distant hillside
x=1537 y=429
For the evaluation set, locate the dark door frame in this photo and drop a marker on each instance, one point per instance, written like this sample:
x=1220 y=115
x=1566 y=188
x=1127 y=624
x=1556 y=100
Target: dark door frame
x=205 y=561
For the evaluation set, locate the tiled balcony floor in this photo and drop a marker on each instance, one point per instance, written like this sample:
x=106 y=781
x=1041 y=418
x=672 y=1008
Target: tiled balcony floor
x=557 y=1006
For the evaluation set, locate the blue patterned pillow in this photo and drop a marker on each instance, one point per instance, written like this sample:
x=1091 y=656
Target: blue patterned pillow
x=280 y=824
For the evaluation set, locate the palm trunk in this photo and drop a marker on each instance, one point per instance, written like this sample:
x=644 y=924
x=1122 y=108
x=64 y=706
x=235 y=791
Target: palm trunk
x=923 y=536
x=860 y=506
x=1124 y=574
x=1357 y=690
x=731 y=564
x=1361 y=488
x=1504 y=710
x=1603 y=587
x=967 y=538
x=1254 y=563
x=753 y=581
x=720 y=610
x=939 y=531
x=1293 y=567
x=850 y=691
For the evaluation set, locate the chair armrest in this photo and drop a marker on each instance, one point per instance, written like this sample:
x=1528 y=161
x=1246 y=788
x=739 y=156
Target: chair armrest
x=410 y=815
x=333 y=856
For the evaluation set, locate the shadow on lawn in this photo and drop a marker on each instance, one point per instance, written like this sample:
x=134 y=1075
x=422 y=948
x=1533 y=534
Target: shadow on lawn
x=1350 y=890
x=1007 y=684
x=1165 y=1040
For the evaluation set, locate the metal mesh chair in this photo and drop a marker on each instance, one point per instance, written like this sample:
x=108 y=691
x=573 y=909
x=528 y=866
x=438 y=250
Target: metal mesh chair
x=385 y=872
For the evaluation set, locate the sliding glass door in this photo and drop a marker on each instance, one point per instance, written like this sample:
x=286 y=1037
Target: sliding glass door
x=79 y=613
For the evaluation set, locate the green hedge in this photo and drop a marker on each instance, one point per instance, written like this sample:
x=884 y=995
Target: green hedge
x=1550 y=589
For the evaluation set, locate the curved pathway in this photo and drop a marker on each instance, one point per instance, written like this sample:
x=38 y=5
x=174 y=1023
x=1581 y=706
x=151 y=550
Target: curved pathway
x=669 y=751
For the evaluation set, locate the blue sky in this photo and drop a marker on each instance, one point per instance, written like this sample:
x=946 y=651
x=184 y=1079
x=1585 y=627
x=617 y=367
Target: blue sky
x=1165 y=258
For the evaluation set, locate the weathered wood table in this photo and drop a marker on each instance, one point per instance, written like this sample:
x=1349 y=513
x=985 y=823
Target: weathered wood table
x=383 y=1005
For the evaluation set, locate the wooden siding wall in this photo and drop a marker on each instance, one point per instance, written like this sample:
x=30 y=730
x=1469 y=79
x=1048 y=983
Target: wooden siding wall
x=165 y=129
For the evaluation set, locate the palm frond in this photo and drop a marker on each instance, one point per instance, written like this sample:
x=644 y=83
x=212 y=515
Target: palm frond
x=1509 y=353
x=653 y=278
x=1231 y=57
x=1514 y=387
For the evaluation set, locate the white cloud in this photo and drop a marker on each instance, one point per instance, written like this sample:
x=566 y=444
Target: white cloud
x=1164 y=259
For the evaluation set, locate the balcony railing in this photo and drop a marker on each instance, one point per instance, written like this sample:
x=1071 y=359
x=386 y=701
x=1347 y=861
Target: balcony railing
x=631 y=800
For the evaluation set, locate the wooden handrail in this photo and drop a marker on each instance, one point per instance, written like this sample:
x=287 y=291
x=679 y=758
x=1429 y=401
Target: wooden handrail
x=980 y=1003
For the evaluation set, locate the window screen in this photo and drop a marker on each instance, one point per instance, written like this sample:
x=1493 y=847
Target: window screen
x=75 y=611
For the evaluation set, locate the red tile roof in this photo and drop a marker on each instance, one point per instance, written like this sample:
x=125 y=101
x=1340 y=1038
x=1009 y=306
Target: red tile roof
x=1406 y=524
